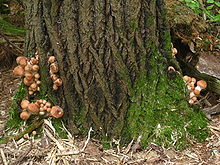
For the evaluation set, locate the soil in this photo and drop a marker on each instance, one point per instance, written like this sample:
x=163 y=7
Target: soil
x=51 y=149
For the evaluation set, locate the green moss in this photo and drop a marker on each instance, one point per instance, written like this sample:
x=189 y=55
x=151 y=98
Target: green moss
x=159 y=111
x=57 y=123
x=14 y=120
x=20 y=94
x=10 y=29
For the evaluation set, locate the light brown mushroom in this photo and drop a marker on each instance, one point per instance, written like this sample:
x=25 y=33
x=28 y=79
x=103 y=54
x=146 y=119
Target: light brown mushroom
x=48 y=104
x=53 y=77
x=54 y=68
x=23 y=61
x=33 y=108
x=35 y=68
x=187 y=79
x=33 y=61
x=58 y=82
x=18 y=71
x=28 y=76
x=28 y=82
x=28 y=68
x=33 y=86
x=25 y=115
x=24 y=104
x=18 y=59
x=51 y=59
x=56 y=112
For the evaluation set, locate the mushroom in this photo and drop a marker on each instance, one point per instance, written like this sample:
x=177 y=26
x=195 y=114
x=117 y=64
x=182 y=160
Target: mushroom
x=33 y=108
x=48 y=104
x=38 y=82
x=190 y=86
x=28 y=68
x=37 y=75
x=35 y=68
x=33 y=86
x=51 y=59
x=187 y=79
x=33 y=61
x=24 y=104
x=48 y=110
x=21 y=60
x=28 y=76
x=25 y=115
x=30 y=92
x=53 y=77
x=193 y=80
x=28 y=82
x=55 y=87
x=174 y=50
x=41 y=113
x=58 y=82
x=18 y=71
x=18 y=59
x=201 y=84
x=54 y=68
x=193 y=100
x=192 y=94
x=56 y=112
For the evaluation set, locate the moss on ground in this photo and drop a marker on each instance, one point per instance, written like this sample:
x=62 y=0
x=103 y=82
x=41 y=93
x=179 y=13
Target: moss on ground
x=159 y=111
x=10 y=29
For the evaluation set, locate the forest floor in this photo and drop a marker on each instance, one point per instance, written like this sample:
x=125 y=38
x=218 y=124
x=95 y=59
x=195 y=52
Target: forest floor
x=51 y=149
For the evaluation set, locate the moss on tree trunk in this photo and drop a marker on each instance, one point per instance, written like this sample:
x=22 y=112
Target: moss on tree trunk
x=113 y=57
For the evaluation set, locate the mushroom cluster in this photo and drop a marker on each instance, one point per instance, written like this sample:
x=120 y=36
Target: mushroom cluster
x=57 y=81
x=194 y=88
x=40 y=107
x=174 y=51
x=29 y=69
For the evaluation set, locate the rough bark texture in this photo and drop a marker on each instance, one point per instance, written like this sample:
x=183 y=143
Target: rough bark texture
x=113 y=57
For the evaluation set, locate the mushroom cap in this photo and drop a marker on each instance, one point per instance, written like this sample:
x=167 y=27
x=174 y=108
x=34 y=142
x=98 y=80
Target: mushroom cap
x=28 y=68
x=30 y=92
x=28 y=82
x=58 y=82
x=25 y=115
x=202 y=84
x=174 y=51
x=193 y=80
x=33 y=108
x=48 y=104
x=18 y=71
x=55 y=87
x=18 y=59
x=23 y=61
x=53 y=77
x=56 y=112
x=33 y=86
x=191 y=86
x=33 y=61
x=186 y=78
x=24 y=104
x=54 y=68
x=197 y=92
x=51 y=59
x=28 y=76
x=35 y=68
x=37 y=75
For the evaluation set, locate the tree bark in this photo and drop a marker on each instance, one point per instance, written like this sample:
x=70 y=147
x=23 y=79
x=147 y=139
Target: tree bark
x=113 y=57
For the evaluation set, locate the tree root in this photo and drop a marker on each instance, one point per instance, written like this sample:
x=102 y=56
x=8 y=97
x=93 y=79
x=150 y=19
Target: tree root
x=34 y=126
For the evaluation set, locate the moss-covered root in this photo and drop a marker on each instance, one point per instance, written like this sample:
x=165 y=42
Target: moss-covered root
x=32 y=127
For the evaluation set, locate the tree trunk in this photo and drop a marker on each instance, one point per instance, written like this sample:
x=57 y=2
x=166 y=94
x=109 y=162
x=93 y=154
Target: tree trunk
x=113 y=57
